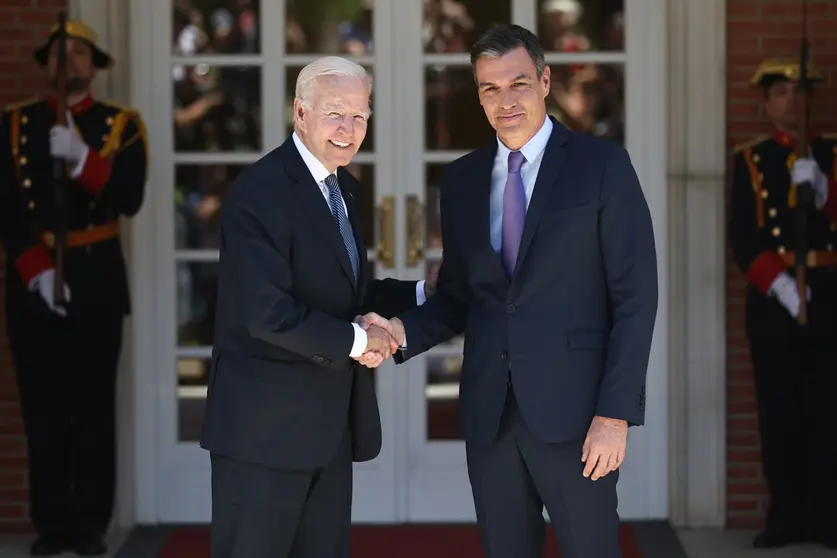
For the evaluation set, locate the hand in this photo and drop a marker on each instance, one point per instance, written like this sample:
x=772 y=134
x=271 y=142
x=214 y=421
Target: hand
x=65 y=143
x=604 y=447
x=43 y=284
x=394 y=326
x=432 y=280
x=807 y=170
x=785 y=290
x=379 y=346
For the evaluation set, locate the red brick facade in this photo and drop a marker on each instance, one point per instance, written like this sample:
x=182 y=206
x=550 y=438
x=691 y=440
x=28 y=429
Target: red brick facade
x=758 y=29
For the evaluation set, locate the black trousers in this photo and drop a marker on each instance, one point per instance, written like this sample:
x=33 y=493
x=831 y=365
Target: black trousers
x=514 y=477
x=264 y=512
x=796 y=387
x=66 y=376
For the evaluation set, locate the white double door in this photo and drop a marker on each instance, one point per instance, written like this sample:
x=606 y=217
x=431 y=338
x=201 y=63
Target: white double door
x=230 y=97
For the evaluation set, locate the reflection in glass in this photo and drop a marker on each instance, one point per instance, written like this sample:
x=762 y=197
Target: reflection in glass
x=290 y=85
x=581 y=25
x=589 y=98
x=199 y=193
x=453 y=116
x=192 y=378
x=442 y=393
x=365 y=199
x=197 y=285
x=319 y=27
x=217 y=108
x=433 y=226
x=452 y=26
x=215 y=27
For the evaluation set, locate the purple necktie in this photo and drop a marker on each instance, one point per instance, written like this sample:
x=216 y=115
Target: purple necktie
x=514 y=212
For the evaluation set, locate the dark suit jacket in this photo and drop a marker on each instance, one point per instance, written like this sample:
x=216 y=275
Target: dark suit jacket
x=284 y=388
x=573 y=329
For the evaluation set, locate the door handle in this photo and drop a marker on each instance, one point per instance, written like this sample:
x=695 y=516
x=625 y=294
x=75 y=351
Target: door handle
x=415 y=231
x=386 y=225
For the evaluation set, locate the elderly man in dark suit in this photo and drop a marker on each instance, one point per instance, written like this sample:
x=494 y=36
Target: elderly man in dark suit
x=551 y=272
x=290 y=404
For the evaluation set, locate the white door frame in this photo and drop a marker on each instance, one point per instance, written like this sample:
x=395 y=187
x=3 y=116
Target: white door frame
x=696 y=494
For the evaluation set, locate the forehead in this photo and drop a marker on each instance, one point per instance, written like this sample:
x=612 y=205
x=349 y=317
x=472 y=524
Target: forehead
x=73 y=44
x=342 y=91
x=508 y=67
x=782 y=87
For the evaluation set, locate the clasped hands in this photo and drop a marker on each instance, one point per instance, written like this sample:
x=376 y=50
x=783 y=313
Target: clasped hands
x=384 y=338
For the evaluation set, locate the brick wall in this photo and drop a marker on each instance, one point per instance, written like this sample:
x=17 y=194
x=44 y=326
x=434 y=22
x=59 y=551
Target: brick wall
x=758 y=29
x=23 y=24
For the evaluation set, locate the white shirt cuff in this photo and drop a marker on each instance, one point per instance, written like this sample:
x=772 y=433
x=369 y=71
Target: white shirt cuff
x=420 y=296
x=77 y=170
x=361 y=339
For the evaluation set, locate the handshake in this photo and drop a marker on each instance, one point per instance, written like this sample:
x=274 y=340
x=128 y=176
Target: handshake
x=384 y=338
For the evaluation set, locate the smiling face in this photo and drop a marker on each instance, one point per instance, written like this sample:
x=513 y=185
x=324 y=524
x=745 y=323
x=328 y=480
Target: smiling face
x=512 y=95
x=333 y=122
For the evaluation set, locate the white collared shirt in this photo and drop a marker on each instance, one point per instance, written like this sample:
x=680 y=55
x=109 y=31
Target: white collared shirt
x=320 y=173
x=533 y=152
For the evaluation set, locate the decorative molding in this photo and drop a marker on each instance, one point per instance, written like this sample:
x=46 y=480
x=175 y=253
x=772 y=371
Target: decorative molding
x=697 y=160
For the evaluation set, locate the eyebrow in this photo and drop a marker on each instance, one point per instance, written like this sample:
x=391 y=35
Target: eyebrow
x=518 y=78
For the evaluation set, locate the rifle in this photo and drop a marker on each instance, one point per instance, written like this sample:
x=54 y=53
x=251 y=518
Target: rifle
x=804 y=191
x=59 y=165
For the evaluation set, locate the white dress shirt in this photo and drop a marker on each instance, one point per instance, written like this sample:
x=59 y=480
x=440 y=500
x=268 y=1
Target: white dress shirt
x=533 y=154
x=320 y=173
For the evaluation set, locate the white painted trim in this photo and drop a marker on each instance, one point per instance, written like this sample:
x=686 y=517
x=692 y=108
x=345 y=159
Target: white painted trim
x=697 y=162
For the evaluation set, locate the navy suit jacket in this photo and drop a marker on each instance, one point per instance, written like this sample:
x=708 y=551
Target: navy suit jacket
x=284 y=391
x=572 y=330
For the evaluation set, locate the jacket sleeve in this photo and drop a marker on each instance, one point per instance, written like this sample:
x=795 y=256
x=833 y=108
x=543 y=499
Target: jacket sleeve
x=29 y=256
x=117 y=176
x=255 y=271
x=390 y=297
x=761 y=267
x=626 y=236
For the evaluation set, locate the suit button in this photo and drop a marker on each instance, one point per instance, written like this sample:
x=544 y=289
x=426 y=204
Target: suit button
x=510 y=308
x=504 y=355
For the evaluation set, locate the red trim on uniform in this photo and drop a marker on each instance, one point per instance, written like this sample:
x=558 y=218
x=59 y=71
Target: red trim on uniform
x=77 y=108
x=830 y=207
x=783 y=137
x=96 y=172
x=764 y=269
x=32 y=262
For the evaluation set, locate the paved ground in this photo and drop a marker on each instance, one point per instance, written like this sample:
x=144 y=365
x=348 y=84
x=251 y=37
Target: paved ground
x=698 y=544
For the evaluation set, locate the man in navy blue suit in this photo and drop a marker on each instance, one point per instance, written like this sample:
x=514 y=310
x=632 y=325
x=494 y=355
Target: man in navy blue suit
x=550 y=270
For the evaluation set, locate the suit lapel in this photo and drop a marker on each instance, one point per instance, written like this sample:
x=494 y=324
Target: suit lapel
x=553 y=160
x=482 y=202
x=311 y=197
x=348 y=186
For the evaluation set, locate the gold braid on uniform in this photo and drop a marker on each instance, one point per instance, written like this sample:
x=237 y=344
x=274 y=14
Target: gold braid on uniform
x=756 y=180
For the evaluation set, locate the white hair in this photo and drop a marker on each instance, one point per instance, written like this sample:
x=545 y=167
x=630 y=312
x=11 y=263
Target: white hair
x=306 y=81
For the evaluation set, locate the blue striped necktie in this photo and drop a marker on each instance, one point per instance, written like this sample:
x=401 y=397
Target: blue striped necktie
x=335 y=201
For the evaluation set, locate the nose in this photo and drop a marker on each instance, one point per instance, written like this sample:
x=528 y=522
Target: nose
x=507 y=99
x=347 y=124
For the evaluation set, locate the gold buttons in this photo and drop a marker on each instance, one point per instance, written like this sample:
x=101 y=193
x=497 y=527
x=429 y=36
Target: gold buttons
x=24 y=119
x=772 y=212
x=31 y=204
x=756 y=158
x=23 y=160
x=104 y=137
x=776 y=231
x=781 y=249
x=764 y=194
x=109 y=121
x=27 y=182
x=23 y=140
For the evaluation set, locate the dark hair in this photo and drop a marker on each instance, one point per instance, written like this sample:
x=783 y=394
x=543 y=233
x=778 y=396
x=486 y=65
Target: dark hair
x=502 y=39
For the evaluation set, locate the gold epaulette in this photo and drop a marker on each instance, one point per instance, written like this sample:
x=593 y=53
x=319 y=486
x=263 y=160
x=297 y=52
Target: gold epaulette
x=751 y=143
x=24 y=103
x=119 y=106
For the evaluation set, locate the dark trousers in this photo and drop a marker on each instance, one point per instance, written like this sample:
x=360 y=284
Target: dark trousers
x=796 y=387
x=263 y=512
x=514 y=477
x=66 y=376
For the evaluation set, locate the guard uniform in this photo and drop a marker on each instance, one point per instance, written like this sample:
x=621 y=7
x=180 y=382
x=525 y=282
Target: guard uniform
x=794 y=369
x=66 y=366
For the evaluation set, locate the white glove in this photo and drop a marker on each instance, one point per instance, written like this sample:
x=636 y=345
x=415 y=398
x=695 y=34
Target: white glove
x=785 y=291
x=807 y=170
x=65 y=143
x=43 y=284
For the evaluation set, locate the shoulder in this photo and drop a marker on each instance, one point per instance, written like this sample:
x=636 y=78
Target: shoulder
x=25 y=103
x=756 y=142
x=116 y=107
x=262 y=178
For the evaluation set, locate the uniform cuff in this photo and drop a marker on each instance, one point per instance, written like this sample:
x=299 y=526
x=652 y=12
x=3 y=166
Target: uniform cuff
x=32 y=262
x=359 y=344
x=95 y=174
x=764 y=269
x=830 y=207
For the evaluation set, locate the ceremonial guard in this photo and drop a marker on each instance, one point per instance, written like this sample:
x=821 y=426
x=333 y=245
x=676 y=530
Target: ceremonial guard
x=66 y=351
x=793 y=362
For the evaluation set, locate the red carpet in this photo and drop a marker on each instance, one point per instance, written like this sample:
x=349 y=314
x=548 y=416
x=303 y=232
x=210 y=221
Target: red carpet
x=403 y=541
